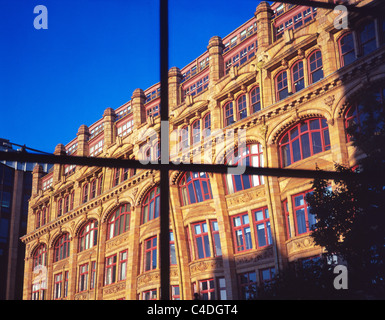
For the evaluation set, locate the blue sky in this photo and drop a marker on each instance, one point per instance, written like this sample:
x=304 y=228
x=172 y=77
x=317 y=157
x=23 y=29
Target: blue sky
x=93 y=55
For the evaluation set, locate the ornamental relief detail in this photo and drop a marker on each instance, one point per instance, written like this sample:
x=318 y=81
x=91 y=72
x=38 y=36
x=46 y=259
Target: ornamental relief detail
x=246 y=197
x=208 y=265
x=114 y=288
x=255 y=257
x=300 y=244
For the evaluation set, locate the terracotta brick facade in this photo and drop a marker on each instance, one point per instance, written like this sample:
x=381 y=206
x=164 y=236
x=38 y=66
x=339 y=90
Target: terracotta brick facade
x=214 y=86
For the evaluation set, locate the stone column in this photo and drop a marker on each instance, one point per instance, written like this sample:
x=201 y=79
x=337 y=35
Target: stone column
x=83 y=136
x=215 y=48
x=263 y=16
x=58 y=169
x=37 y=173
x=174 y=91
x=137 y=106
x=109 y=117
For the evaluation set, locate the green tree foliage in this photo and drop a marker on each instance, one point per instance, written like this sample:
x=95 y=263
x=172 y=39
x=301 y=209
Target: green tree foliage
x=351 y=218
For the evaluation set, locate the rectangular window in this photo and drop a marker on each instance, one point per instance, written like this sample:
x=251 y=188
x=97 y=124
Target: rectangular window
x=216 y=238
x=241 y=232
x=207 y=289
x=110 y=270
x=303 y=218
x=222 y=288
x=248 y=285
x=93 y=275
x=175 y=293
x=150 y=295
x=266 y=275
x=201 y=240
x=122 y=265
x=150 y=254
x=172 y=249
x=83 y=277
x=57 y=292
x=262 y=227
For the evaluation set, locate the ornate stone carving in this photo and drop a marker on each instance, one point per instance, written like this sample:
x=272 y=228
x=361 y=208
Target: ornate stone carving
x=114 y=288
x=255 y=257
x=206 y=265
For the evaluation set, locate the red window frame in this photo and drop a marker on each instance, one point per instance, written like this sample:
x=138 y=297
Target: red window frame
x=60 y=207
x=62 y=247
x=216 y=238
x=172 y=249
x=119 y=221
x=151 y=205
x=85 y=192
x=184 y=142
x=265 y=223
x=175 y=293
x=88 y=235
x=116 y=177
x=207 y=289
x=150 y=294
x=248 y=285
x=100 y=185
x=93 y=275
x=241 y=107
x=122 y=270
x=66 y=203
x=346 y=48
x=255 y=100
x=40 y=256
x=196 y=131
x=110 y=269
x=150 y=253
x=65 y=291
x=201 y=240
x=228 y=114
x=367 y=35
x=352 y=115
x=298 y=76
x=266 y=275
x=93 y=188
x=281 y=86
x=315 y=65
x=251 y=155
x=287 y=218
x=303 y=224
x=295 y=139
x=195 y=187
x=206 y=125
x=241 y=232
x=58 y=283
x=83 y=277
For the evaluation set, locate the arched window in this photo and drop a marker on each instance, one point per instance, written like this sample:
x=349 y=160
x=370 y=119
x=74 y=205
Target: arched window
x=281 y=86
x=346 y=48
x=196 y=131
x=298 y=76
x=183 y=138
x=228 y=113
x=195 y=187
x=207 y=125
x=40 y=256
x=62 y=247
x=304 y=140
x=255 y=99
x=39 y=285
x=119 y=221
x=151 y=205
x=241 y=107
x=88 y=236
x=60 y=207
x=315 y=67
x=85 y=193
x=251 y=155
x=367 y=38
x=352 y=117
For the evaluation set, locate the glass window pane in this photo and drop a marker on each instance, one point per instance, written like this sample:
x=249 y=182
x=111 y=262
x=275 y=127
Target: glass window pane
x=305 y=143
x=316 y=141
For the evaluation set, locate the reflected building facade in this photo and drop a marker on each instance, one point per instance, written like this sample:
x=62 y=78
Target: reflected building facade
x=288 y=79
